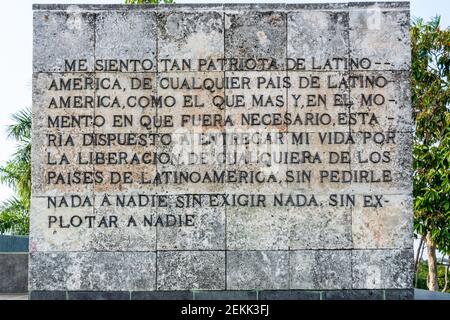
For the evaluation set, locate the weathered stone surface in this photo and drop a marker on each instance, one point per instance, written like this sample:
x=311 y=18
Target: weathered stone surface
x=126 y=35
x=321 y=269
x=62 y=35
x=389 y=157
x=193 y=163
x=257 y=228
x=206 y=233
x=319 y=34
x=98 y=295
x=48 y=295
x=271 y=141
x=203 y=270
x=384 y=227
x=248 y=270
x=320 y=227
x=130 y=94
x=256 y=34
x=381 y=35
x=180 y=33
x=382 y=269
x=257 y=167
x=319 y=159
x=384 y=94
x=321 y=101
x=46 y=233
x=258 y=97
x=92 y=271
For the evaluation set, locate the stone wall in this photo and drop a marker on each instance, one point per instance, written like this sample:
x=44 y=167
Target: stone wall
x=221 y=147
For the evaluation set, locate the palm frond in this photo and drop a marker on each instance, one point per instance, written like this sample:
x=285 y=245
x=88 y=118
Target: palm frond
x=21 y=129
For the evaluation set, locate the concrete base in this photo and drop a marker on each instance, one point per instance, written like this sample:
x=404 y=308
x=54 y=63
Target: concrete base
x=391 y=294
x=418 y=294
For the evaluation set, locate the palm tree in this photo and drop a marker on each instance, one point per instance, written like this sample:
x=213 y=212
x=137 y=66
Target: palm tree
x=16 y=173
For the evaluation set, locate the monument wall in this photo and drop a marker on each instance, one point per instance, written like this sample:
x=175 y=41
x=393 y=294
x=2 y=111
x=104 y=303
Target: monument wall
x=239 y=148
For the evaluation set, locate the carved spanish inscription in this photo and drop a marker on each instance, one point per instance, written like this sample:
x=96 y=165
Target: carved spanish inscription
x=221 y=147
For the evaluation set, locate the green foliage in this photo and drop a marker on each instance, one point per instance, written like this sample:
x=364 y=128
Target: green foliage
x=431 y=99
x=147 y=1
x=422 y=278
x=14 y=217
x=16 y=174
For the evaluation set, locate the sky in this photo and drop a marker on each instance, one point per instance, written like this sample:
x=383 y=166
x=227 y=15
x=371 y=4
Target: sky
x=16 y=53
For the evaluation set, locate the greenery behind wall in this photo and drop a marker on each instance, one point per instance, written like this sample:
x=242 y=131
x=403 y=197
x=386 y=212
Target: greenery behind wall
x=430 y=72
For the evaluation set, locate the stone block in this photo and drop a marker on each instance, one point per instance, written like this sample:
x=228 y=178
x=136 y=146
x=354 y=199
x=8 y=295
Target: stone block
x=92 y=271
x=320 y=269
x=199 y=229
x=386 y=227
x=57 y=226
x=382 y=161
x=399 y=294
x=63 y=35
x=63 y=101
x=203 y=270
x=129 y=222
x=61 y=168
x=324 y=226
x=189 y=35
x=318 y=35
x=13 y=272
x=253 y=34
x=318 y=101
x=257 y=228
x=125 y=35
x=262 y=270
x=380 y=34
x=382 y=269
x=381 y=101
